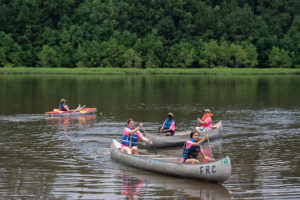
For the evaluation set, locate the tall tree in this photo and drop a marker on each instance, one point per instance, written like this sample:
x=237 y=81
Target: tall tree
x=131 y=59
x=48 y=57
x=112 y=54
x=279 y=58
x=10 y=51
x=210 y=52
x=291 y=40
x=239 y=56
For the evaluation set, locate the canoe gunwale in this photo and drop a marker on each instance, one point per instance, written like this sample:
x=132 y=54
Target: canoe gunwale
x=160 y=141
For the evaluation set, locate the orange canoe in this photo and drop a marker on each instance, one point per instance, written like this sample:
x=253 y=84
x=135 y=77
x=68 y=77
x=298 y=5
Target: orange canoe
x=83 y=111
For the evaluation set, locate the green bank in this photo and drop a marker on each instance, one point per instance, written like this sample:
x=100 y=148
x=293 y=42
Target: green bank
x=125 y=71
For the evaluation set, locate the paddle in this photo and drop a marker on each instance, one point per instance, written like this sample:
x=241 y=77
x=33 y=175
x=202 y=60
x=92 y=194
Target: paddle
x=209 y=146
x=155 y=152
x=80 y=109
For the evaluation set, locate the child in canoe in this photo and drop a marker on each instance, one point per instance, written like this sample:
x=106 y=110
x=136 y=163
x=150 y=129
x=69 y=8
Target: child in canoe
x=131 y=135
x=192 y=149
x=205 y=122
x=169 y=126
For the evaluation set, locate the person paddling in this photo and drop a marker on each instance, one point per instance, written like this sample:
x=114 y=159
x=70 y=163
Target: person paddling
x=131 y=136
x=63 y=106
x=192 y=148
x=169 y=126
x=205 y=122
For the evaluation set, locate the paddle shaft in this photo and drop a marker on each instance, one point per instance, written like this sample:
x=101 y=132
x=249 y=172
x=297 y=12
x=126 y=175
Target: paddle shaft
x=209 y=146
x=155 y=152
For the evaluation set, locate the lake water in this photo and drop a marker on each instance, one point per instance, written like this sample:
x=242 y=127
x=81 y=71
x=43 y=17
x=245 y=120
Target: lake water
x=69 y=157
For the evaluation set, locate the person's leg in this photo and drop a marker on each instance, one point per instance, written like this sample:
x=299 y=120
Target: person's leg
x=199 y=129
x=126 y=150
x=167 y=134
x=207 y=158
x=135 y=150
x=192 y=161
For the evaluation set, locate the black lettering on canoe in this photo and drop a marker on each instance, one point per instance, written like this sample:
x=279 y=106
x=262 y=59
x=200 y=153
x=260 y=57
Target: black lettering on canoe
x=207 y=169
x=201 y=170
x=213 y=169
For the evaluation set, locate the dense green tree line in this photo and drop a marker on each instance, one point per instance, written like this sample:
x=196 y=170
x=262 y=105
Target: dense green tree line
x=152 y=33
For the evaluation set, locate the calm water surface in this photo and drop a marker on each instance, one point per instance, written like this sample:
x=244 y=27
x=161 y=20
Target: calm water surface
x=69 y=157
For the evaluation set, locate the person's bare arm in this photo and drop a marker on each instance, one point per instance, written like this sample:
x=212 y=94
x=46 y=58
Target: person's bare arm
x=144 y=139
x=201 y=122
x=136 y=129
x=201 y=141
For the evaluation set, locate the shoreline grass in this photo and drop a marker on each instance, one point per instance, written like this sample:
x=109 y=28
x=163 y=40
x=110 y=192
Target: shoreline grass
x=160 y=71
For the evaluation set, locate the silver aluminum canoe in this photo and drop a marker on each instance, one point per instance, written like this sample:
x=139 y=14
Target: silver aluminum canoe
x=160 y=141
x=217 y=171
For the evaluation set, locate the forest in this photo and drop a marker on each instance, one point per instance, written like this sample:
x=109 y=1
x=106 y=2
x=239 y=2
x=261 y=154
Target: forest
x=150 y=33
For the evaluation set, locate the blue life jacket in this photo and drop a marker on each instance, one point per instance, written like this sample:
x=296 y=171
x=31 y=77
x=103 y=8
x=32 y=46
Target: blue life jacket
x=62 y=107
x=192 y=152
x=168 y=124
x=130 y=140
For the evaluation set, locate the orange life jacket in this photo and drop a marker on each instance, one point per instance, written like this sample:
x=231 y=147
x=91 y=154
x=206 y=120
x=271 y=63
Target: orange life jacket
x=205 y=116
